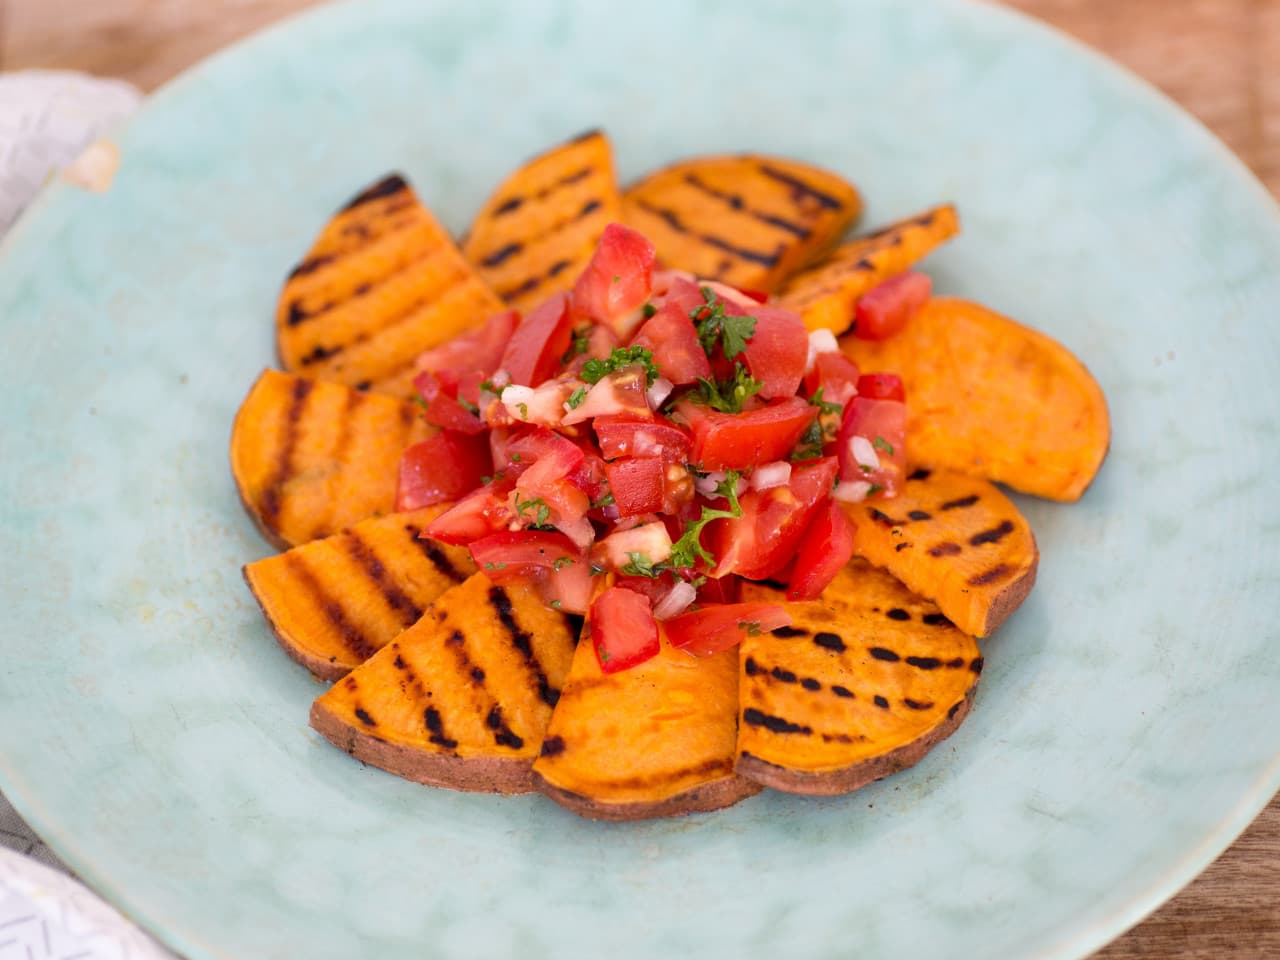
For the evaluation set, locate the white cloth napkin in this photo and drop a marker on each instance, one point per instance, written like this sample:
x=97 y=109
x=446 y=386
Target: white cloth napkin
x=47 y=119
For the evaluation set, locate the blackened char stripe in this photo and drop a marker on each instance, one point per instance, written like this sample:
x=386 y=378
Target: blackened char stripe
x=435 y=727
x=960 y=502
x=352 y=637
x=735 y=202
x=373 y=567
x=503 y=735
x=994 y=535
x=288 y=440
x=520 y=639
x=386 y=187
x=501 y=254
x=756 y=718
x=829 y=641
x=795 y=183
x=673 y=221
x=439 y=559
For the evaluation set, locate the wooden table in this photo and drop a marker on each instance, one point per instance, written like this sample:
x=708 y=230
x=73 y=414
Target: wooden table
x=1219 y=58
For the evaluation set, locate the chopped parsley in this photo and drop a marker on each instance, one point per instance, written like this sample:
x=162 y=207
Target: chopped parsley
x=605 y=500
x=561 y=562
x=524 y=410
x=593 y=371
x=883 y=445
x=603 y=653
x=727 y=396
x=686 y=551
x=468 y=406
x=823 y=406
x=811 y=442
x=515 y=458
x=541 y=512
x=417 y=398
x=639 y=565
x=874 y=489
x=486 y=386
x=751 y=626
x=576 y=398
x=555 y=604
x=579 y=345
x=713 y=325
x=648 y=310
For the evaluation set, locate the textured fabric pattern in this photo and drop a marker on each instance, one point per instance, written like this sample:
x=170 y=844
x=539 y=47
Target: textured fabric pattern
x=16 y=835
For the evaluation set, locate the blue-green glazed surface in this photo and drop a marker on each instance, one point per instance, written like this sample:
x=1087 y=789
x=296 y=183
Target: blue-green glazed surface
x=1128 y=723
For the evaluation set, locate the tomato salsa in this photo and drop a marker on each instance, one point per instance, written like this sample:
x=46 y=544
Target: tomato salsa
x=673 y=433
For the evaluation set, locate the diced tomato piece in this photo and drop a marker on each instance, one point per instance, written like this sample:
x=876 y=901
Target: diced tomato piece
x=440 y=468
x=670 y=335
x=759 y=296
x=636 y=484
x=720 y=590
x=736 y=441
x=777 y=351
x=881 y=386
x=763 y=540
x=826 y=547
x=655 y=588
x=649 y=540
x=589 y=477
x=556 y=456
x=569 y=588
x=623 y=631
x=885 y=309
x=872 y=444
x=568 y=510
x=478 y=514
x=477 y=353
x=442 y=409
x=719 y=627
x=513 y=554
x=632 y=437
x=617 y=281
x=536 y=347
x=836 y=375
x=616 y=394
x=682 y=290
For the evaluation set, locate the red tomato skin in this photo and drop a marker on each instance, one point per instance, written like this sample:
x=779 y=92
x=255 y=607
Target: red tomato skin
x=513 y=554
x=555 y=456
x=632 y=437
x=623 y=631
x=836 y=375
x=636 y=484
x=480 y=513
x=875 y=420
x=670 y=335
x=886 y=308
x=722 y=590
x=719 y=627
x=881 y=386
x=443 y=410
x=827 y=546
x=759 y=296
x=567 y=589
x=736 y=441
x=534 y=351
x=476 y=352
x=441 y=468
x=777 y=351
x=618 y=279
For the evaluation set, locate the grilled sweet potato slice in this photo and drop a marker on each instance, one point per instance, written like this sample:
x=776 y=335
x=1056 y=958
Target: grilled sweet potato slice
x=750 y=220
x=333 y=603
x=462 y=698
x=312 y=458
x=653 y=741
x=382 y=283
x=537 y=231
x=955 y=539
x=825 y=295
x=862 y=684
x=990 y=397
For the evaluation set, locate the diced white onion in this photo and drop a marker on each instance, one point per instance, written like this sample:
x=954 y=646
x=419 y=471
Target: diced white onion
x=853 y=491
x=820 y=341
x=774 y=474
x=659 y=392
x=513 y=396
x=650 y=540
x=500 y=378
x=864 y=454
x=676 y=601
x=707 y=485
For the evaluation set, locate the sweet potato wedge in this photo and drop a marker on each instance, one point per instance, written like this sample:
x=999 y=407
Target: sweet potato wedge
x=653 y=741
x=462 y=698
x=333 y=603
x=825 y=295
x=537 y=231
x=312 y=458
x=955 y=539
x=750 y=220
x=862 y=684
x=990 y=397
x=382 y=283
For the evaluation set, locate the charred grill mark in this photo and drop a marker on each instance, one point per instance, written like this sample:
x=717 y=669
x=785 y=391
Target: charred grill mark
x=298 y=313
x=944 y=549
x=935 y=620
x=569 y=179
x=843 y=738
x=507 y=206
x=840 y=691
x=883 y=653
x=786 y=676
x=880 y=517
x=751 y=668
x=520 y=639
x=757 y=718
x=376 y=571
x=1000 y=571
x=363 y=716
x=897 y=613
x=977 y=664
x=270 y=499
x=829 y=641
x=528 y=286
x=352 y=637
x=386 y=187
x=364 y=385
x=735 y=202
x=994 y=535
x=552 y=747
x=787 y=632
x=881 y=702
x=558 y=267
x=917 y=704
x=435 y=727
x=904 y=545
x=310 y=265
x=705 y=769
x=960 y=502
x=923 y=663
x=670 y=218
x=801 y=188
x=920 y=515
x=431 y=550
x=477 y=674
x=924 y=220
x=810 y=684
x=585 y=135
x=503 y=735
x=590 y=207
x=920 y=473
x=955 y=663
x=955 y=708
x=502 y=253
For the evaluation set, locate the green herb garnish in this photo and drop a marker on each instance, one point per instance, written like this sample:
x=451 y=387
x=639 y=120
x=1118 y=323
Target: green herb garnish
x=713 y=325
x=648 y=310
x=883 y=445
x=593 y=371
x=541 y=512
x=576 y=398
x=639 y=565
x=822 y=405
x=727 y=396
x=561 y=562
x=579 y=345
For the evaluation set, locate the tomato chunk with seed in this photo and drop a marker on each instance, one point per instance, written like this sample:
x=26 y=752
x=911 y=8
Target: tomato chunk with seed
x=443 y=410
x=623 y=630
x=513 y=554
x=881 y=386
x=777 y=351
x=826 y=547
x=484 y=511
x=885 y=309
x=736 y=441
x=536 y=347
x=636 y=484
x=670 y=335
x=872 y=444
x=618 y=280
x=835 y=375
x=441 y=468
x=633 y=437
x=719 y=627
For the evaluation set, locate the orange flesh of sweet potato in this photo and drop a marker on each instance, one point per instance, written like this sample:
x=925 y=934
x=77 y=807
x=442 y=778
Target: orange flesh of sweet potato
x=863 y=683
x=750 y=221
x=537 y=231
x=955 y=539
x=312 y=458
x=382 y=283
x=656 y=740
x=462 y=698
x=333 y=603
x=825 y=295
x=990 y=397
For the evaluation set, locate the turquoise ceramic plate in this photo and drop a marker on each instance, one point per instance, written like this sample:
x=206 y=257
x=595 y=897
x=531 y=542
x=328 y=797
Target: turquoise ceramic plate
x=1128 y=725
